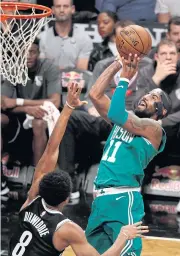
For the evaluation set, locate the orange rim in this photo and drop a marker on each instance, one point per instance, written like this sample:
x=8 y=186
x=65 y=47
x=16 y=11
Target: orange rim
x=11 y=6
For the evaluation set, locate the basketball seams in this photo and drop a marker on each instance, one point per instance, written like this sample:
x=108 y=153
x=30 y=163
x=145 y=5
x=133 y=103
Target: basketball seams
x=130 y=44
x=139 y=38
x=146 y=46
x=133 y=48
x=136 y=50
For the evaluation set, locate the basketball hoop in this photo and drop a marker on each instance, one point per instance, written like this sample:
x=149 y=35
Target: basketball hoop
x=17 y=33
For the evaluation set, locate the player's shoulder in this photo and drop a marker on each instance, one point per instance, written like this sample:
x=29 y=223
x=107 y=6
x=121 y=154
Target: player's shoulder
x=69 y=231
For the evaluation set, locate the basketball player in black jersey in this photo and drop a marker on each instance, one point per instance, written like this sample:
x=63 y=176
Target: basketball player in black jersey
x=42 y=229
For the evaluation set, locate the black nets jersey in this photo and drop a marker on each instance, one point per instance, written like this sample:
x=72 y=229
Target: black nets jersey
x=36 y=227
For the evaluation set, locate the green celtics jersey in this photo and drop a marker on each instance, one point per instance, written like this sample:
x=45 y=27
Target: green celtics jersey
x=124 y=159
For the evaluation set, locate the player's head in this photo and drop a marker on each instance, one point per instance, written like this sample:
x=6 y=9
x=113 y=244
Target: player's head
x=106 y=22
x=33 y=54
x=63 y=10
x=55 y=187
x=167 y=50
x=174 y=31
x=156 y=105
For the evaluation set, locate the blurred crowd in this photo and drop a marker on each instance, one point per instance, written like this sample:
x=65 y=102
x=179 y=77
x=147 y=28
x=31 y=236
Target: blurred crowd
x=62 y=53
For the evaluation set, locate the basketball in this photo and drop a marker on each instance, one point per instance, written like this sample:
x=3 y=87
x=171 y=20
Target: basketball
x=133 y=39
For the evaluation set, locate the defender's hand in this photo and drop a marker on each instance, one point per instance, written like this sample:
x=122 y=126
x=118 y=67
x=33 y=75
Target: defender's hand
x=130 y=66
x=74 y=91
x=135 y=230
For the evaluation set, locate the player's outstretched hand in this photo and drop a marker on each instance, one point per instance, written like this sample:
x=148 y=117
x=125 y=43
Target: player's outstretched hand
x=74 y=91
x=135 y=230
x=130 y=66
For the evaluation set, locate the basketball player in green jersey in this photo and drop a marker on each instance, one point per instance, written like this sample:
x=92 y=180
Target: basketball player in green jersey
x=134 y=141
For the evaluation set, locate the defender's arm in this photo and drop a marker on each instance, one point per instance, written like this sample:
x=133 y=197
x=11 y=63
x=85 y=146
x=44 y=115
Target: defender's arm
x=71 y=234
x=48 y=161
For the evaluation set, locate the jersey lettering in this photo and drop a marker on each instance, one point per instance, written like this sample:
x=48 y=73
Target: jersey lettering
x=115 y=146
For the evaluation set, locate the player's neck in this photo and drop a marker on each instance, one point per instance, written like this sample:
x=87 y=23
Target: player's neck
x=63 y=28
x=55 y=208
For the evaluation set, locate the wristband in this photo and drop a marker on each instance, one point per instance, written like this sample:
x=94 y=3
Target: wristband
x=69 y=105
x=19 y=102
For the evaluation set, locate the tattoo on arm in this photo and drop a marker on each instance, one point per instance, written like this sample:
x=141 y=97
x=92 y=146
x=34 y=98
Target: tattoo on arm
x=145 y=127
x=143 y=124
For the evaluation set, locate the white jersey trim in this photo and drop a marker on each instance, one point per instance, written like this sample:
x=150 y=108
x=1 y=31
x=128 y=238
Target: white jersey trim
x=48 y=209
x=62 y=223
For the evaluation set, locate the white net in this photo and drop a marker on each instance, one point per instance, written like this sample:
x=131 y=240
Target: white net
x=17 y=36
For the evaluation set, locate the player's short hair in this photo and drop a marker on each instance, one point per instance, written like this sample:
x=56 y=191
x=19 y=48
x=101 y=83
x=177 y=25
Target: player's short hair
x=175 y=21
x=166 y=42
x=55 y=187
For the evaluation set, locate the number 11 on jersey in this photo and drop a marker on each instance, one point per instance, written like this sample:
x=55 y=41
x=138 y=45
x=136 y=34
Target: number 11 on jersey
x=115 y=146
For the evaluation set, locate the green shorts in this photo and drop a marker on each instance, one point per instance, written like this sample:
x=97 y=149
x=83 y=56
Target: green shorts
x=111 y=212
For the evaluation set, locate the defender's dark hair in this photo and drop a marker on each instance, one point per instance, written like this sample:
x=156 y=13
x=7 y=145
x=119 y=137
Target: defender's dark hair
x=55 y=187
x=175 y=21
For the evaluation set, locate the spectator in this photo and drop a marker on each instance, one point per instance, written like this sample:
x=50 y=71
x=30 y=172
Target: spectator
x=136 y=10
x=172 y=34
x=165 y=9
x=164 y=73
x=17 y=101
x=108 y=47
x=64 y=43
x=106 y=23
x=86 y=130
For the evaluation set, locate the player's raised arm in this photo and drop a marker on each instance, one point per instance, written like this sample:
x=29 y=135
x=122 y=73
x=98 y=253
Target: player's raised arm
x=71 y=234
x=97 y=92
x=48 y=161
x=117 y=113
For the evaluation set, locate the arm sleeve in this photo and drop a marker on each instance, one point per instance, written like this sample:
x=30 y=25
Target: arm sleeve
x=117 y=112
x=8 y=89
x=171 y=119
x=161 y=7
x=53 y=80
